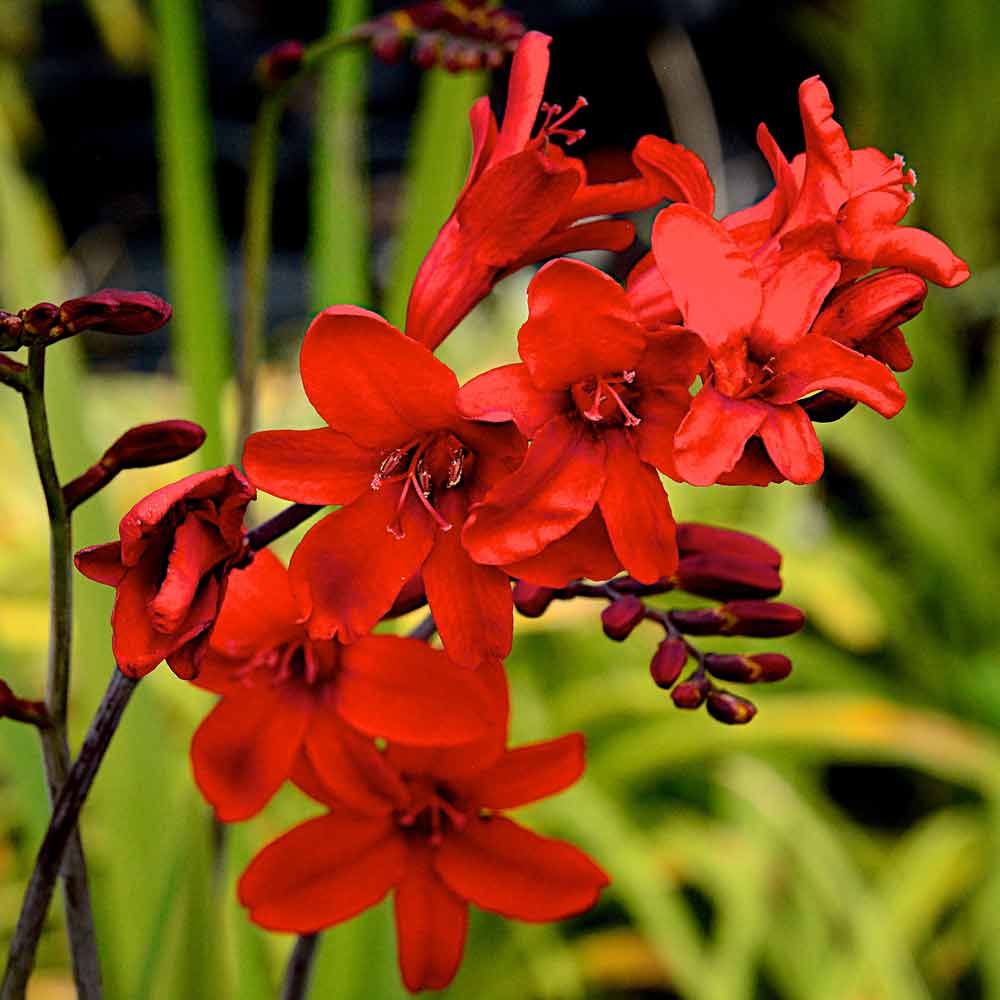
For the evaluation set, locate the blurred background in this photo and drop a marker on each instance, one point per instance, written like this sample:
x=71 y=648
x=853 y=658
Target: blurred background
x=843 y=846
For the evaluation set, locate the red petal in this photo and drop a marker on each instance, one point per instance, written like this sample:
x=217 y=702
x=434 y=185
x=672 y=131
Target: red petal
x=323 y=872
x=584 y=553
x=530 y=773
x=348 y=569
x=401 y=689
x=792 y=444
x=889 y=347
x=370 y=382
x=243 y=750
x=351 y=767
x=554 y=490
x=793 y=296
x=507 y=393
x=637 y=513
x=650 y=296
x=580 y=325
x=818 y=363
x=661 y=414
x=317 y=466
x=102 y=563
x=502 y=867
x=528 y=70
x=600 y=234
x=431 y=924
x=471 y=603
x=714 y=283
x=918 y=251
x=483 y=125
x=754 y=468
x=711 y=438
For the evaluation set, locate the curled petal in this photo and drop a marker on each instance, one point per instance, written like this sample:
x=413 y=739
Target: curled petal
x=917 y=251
x=528 y=71
x=102 y=563
x=790 y=440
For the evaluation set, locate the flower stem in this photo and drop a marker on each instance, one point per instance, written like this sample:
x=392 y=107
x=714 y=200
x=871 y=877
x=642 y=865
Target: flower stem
x=299 y=968
x=61 y=826
x=55 y=746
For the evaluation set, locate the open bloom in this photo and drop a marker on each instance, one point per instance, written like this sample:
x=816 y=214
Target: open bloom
x=406 y=466
x=524 y=199
x=600 y=398
x=285 y=695
x=169 y=569
x=763 y=358
x=439 y=842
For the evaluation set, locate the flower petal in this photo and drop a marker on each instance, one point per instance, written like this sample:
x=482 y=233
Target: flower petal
x=506 y=869
x=323 y=872
x=711 y=438
x=317 y=466
x=554 y=490
x=507 y=393
x=370 y=382
x=244 y=749
x=917 y=251
x=580 y=325
x=102 y=563
x=598 y=234
x=791 y=442
x=431 y=924
x=529 y=773
x=637 y=513
x=348 y=569
x=528 y=71
x=401 y=689
x=649 y=294
x=714 y=282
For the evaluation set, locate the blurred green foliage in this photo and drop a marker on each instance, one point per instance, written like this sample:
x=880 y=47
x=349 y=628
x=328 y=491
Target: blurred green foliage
x=765 y=862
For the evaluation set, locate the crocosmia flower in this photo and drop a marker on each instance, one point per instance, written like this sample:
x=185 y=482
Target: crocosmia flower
x=439 y=842
x=285 y=695
x=406 y=466
x=169 y=569
x=763 y=358
x=524 y=199
x=600 y=397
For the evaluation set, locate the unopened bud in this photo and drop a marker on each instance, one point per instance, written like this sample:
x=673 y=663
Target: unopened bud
x=698 y=621
x=697 y=539
x=388 y=45
x=825 y=407
x=726 y=577
x=730 y=708
x=457 y=56
x=765 y=619
x=279 y=65
x=11 y=331
x=116 y=311
x=773 y=666
x=531 y=599
x=748 y=668
x=41 y=319
x=426 y=51
x=621 y=616
x=692 y=692
x=668 y=662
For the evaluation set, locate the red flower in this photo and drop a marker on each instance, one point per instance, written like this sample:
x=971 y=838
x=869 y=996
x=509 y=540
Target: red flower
x=763 y=359
x=524 y=198
x=440 y=842
x=600 y=398
x=285 y=695
x=169 y=569
x=406 y=465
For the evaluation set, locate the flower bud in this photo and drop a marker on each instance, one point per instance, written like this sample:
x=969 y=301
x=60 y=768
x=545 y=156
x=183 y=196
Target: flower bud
x=668 y=662
x=765 y=619
x=692 y=692
x=39 y=320
x=726 y=577
x=748 y=669
x=20 y=710
x=115 y=311
x=699 y=621
x=693 y=538
x=531 y=599
x=426 y=51
x=388 y=45
x=773 y=666
x=280 y=64
x=730 y=708
x=621 y=616
x=11 y=331
x=825 y=407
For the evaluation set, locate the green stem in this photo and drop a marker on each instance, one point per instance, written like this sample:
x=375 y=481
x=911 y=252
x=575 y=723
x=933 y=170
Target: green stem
x=55 y=747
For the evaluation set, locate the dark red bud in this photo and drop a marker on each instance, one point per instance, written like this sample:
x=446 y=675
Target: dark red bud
x=531 y=599
x=41 y=319
x=621 y=616
x=825 y=407
x=20 y=710
x=116 y=311
x=773 y=666
x=388 y=45
x=668 y=662
x=695 y=539
x=699 y=621
x=765 y=619
x=426 y=51
x=457 y=57
x=732 y=667
x=280 y=64
x=11 y=331
x=494 y=57
x=730 y=708
x=692 y=692
x=726 y=577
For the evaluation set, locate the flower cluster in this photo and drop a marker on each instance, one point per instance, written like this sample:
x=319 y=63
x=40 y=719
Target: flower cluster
x=709 y=365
